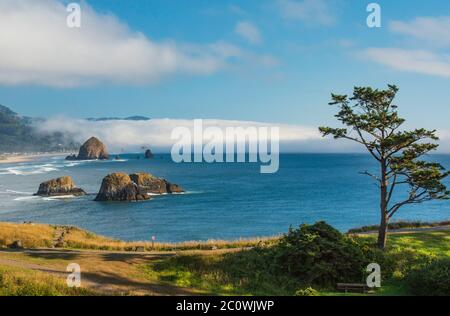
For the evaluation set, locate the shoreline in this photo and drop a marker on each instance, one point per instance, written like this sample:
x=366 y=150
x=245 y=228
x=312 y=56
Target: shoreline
x=239 y=242
x=13 y=158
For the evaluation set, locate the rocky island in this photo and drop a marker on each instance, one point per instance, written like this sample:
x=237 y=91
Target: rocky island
x=59 y=187
x=154 y=185
x=134 y=187
x=148 y=154
x=92 y=149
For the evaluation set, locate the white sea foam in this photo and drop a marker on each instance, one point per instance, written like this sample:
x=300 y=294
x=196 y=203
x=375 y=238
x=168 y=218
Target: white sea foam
x=55 y=164
x=176 y=193
x=189 y=192
x=30 y=170
x=18 y=192
x=61 y=197
x=26 y=198
x=24 y=169
x=156 y=194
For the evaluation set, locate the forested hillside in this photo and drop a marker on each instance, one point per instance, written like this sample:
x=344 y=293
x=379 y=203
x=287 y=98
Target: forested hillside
x=18 y=135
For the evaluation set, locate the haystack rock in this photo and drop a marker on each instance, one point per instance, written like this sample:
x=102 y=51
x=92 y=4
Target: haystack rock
x=92 y=149
x=134 y=187
x=148 y=154
x=58 y=187
x=119 y=187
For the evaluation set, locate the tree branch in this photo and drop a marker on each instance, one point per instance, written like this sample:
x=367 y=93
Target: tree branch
x=370 y=175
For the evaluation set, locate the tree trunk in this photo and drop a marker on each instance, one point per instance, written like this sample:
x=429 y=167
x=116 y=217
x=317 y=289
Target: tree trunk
x=382 y=232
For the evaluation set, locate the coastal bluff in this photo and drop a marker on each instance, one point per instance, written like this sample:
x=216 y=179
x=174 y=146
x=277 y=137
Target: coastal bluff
x=92 y=149
x=135 y=187
x=59 y=187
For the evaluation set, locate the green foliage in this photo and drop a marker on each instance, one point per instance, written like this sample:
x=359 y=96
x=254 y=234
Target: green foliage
x=432 y=279
x=17 y=134
x=248 y=272
x=370 y=118
x=410 y=251
x=375 y=124
x=263 y=270
x=311 y=256
x=319 y=255
x=309 y=291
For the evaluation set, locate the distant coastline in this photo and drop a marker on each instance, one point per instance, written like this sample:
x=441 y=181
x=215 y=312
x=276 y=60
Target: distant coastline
x=27 y=157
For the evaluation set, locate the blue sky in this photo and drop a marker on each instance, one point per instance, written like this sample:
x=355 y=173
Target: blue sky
x=278 y=62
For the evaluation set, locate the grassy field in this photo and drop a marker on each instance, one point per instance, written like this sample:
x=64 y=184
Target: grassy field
x=400 y=225
x=214 y=267
x=243 y=273
x=25 y=282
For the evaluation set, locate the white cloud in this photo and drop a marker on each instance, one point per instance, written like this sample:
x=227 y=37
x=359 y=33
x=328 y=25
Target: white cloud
x=132 y=135
x=417 y=61
x=310 y=11
x=37 y=47
x=249 y=32
x=428 y=35
x=434 y=30
x=156 y=133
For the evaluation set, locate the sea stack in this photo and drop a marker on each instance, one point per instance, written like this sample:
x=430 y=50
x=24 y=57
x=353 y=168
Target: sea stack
x=152 y=185
x=134 y=187
x=148 y=154
x=58 y=187
x=119 y=187
x=92 y=149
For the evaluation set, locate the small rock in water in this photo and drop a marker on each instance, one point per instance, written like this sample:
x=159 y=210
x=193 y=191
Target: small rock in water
x=58 y=187
x=72 y=157
x=148 y=154
x=153 y=185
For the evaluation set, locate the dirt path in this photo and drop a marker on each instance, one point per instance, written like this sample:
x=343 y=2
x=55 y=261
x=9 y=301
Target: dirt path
x=106 y=272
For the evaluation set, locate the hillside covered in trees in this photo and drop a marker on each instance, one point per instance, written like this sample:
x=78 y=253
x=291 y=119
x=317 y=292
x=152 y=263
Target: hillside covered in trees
x=17 y=134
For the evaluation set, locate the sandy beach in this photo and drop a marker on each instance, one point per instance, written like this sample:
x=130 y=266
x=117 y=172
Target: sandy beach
x=9 y=159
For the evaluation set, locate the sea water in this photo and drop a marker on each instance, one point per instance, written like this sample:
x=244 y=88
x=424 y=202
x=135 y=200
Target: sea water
x=222 y=201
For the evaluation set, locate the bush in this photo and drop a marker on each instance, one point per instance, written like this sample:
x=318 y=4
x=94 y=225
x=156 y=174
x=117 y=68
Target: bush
x=431 y=280
x=307 y=292
x=319 y=255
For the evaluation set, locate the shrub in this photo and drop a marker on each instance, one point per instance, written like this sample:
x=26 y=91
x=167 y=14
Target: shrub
x=319 y=255
x=431 y=280
x=309 y=291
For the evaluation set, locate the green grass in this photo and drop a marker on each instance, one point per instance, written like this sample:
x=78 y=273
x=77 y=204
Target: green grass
x=240 y=273
x=399 y=225
x=247 y=272
x=21 y=282
x=433 y=243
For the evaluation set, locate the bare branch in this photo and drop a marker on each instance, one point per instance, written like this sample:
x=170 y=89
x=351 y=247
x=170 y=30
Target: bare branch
x=370 y=175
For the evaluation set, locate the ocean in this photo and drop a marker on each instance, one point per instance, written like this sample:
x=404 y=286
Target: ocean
x=222 y=200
